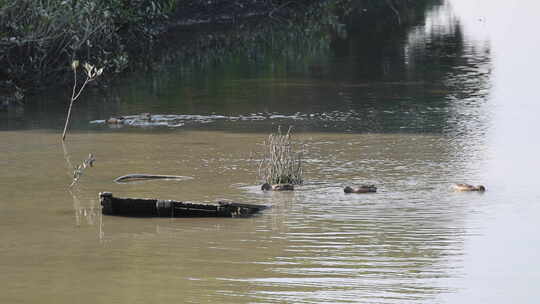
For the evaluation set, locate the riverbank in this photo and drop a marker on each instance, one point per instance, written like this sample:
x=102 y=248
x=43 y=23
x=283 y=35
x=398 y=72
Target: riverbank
x=38 y=41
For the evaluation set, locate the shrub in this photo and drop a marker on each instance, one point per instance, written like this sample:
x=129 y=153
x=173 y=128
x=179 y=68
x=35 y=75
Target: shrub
x=39 y=38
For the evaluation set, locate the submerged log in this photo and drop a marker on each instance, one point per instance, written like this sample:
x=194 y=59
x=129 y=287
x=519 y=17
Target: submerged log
x=143 y=207
x=139 y=177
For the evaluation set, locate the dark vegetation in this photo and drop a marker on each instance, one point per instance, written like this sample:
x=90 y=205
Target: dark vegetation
x=39 y=39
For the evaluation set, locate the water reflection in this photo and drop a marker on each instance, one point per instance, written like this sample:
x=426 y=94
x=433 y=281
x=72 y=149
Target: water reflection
x=353 y=245
x=398 y=242
x=422 y=74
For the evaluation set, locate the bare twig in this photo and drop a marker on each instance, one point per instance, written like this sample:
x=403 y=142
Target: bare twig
x=394 y=9
x=79 y=169
x=92 y=73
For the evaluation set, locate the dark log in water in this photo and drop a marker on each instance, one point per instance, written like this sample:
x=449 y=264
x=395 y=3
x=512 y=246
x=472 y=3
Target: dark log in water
x=138 y=177
x=142 y=207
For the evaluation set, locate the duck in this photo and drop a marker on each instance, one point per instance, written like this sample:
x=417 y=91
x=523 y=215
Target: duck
x=146 y=117
x=277 y=187
x=115 y=120
x=361 y=189
x=467 y=187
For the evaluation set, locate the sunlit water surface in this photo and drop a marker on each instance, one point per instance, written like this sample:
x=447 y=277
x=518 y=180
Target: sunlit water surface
x=461 y=113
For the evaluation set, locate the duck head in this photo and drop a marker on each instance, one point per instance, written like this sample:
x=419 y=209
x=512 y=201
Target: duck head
x=266 y=187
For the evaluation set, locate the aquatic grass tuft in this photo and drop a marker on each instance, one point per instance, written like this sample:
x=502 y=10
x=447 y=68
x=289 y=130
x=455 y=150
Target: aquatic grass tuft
x=281 y=164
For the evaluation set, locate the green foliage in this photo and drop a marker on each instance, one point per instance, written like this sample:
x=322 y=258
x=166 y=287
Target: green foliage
x=39 y=38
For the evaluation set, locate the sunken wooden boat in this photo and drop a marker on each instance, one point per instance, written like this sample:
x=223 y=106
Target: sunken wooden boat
x=144 y=207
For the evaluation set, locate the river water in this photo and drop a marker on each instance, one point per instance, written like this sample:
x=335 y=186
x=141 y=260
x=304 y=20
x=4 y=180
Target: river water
x=450 y=100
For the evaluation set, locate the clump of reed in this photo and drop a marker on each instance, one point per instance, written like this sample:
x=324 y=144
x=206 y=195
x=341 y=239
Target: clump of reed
x=282 y=163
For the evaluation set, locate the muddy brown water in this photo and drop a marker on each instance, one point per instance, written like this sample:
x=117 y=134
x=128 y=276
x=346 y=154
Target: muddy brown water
x=316 y=236
x=414 y=241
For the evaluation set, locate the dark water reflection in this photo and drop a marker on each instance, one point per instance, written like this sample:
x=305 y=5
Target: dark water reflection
x=412 y=118
x=411 y=83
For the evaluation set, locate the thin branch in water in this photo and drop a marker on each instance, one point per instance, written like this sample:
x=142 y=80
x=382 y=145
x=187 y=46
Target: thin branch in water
x=395 y=10
x=92 y=73
x=79 y=169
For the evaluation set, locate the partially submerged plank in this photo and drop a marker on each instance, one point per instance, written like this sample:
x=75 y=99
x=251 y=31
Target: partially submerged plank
x=139 y=177
x=144 y=207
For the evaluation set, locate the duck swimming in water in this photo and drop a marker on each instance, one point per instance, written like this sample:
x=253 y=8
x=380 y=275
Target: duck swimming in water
x=119 y=120
x=467 y=187
x=115 y=120
x=361 y=189
x=277 y=187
